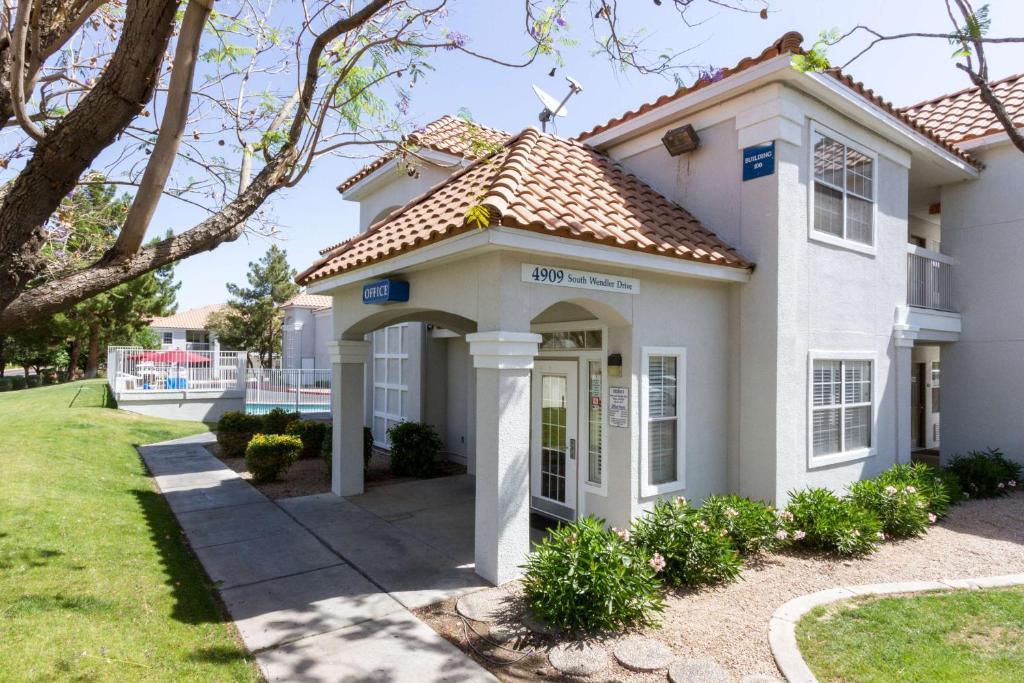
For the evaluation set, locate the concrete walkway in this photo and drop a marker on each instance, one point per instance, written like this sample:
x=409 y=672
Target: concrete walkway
x=305 y=611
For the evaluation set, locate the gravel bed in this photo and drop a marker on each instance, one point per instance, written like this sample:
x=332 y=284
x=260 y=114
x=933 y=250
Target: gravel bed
x=729 y=625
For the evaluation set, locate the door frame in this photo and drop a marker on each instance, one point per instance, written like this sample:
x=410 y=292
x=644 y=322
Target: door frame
x=569 y=368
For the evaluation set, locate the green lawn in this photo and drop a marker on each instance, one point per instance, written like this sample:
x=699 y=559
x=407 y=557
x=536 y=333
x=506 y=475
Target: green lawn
x=96 y=582
x=955 y=636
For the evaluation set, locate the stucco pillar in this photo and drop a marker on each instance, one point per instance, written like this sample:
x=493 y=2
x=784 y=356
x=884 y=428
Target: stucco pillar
x=348 y=359
x=503 y=361
x=904 y=350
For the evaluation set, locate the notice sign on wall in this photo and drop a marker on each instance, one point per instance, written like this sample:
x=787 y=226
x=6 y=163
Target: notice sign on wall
x=618 y=407
x=580 y=279
x=758 y=161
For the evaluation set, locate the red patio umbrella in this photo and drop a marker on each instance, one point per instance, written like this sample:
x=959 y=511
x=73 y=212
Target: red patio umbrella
x=176 y=356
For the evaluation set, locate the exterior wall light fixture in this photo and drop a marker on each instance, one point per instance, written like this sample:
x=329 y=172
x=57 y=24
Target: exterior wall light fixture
x=680 y=140
x=615 y=365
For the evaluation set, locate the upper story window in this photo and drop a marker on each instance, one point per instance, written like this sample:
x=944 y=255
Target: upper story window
x=168 y=337
x=844 y=190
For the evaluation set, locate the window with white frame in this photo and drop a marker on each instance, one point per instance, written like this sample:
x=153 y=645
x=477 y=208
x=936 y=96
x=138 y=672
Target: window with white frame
x=390 y=381
x=844 y=190
x=595 y=422
x=168 y=338
x=664 y=419
x=841 y=406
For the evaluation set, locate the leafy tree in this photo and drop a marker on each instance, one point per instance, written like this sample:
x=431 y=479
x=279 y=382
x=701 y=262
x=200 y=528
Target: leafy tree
x=266 y=88
x=252 y=321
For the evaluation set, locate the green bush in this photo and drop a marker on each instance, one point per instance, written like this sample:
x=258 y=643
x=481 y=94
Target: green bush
x=938 y=487
x=414 y=449
x=985 y=474
x=695 y=553
x=48 y=378
x=752 y=526
x=584 y=577
x=276 y=421
x=367 y=446
x=18 y=382
x=234 y=431
x=902 y=510
x=312 y=433
x=327 y=452
x=268 y=456
x=32 y=381
x=820 y=519
x=6 y=383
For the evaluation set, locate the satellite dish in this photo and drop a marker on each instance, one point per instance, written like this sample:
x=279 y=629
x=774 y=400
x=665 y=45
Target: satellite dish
x=553 y=107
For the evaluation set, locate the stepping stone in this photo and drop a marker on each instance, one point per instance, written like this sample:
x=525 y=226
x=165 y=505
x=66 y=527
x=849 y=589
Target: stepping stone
x=759 y=678
x=539 y=626
x=580 y=658
x=697 y=671
x=487 y=606
x=506 y=633
x=643 y=654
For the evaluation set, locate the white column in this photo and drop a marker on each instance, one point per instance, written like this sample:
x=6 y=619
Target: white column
x=904 y=410
x=503 y=361
x=348 y=359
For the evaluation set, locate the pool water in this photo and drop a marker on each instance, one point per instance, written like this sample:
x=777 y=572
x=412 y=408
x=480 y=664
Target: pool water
x=264 y=408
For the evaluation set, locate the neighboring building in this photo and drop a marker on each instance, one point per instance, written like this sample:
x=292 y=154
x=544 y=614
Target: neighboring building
x=599 y=347
x=187 y=330
x=306 y=324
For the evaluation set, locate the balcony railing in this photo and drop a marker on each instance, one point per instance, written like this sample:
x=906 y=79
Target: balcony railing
x=929 y=279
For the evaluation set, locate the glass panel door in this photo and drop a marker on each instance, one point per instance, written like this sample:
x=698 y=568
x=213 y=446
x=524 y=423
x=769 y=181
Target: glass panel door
x=554 y=441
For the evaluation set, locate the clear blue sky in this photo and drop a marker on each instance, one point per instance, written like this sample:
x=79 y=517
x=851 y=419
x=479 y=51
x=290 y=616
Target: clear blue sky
x=314 y=215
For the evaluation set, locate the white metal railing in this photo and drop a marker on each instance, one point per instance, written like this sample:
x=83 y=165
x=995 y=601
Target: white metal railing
x=300 y=390
x=161 y=370
x=929 y=279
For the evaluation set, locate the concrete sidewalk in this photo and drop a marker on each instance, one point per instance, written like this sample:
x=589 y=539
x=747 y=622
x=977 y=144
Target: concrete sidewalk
x=306 y=613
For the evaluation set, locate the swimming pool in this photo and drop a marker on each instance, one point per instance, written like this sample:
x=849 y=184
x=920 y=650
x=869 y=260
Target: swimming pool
x=264 y=408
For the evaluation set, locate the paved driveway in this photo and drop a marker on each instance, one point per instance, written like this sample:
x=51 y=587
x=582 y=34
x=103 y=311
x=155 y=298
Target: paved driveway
x=308 y=582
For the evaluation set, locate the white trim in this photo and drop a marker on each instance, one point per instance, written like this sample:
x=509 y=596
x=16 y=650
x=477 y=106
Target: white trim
x=548 y=245
x=646 y=488
x=930 y=254
x=500 y=350
x=813 y=233
x=345 y=351
x=984 y=141
x=567 y=367
x=367 y=184
x=817 y=462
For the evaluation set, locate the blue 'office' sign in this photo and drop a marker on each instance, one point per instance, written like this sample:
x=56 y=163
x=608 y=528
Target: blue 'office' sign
x=385 y=291
x=758 y=161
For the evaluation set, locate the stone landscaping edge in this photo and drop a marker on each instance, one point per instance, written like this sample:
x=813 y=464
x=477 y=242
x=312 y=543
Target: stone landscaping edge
x=782 y=625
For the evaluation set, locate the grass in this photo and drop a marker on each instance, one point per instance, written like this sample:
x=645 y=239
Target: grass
x=953 y=636
x=96 y=581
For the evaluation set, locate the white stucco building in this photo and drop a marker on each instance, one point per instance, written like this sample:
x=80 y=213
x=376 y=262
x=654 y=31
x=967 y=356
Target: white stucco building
x=596 y=346
x=187 y=330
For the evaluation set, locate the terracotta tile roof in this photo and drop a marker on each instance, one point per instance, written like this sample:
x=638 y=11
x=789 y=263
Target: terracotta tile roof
x=314 y=301
x=447 y=134
x=545 y=184
x=962 y=115
x=790 y=43
x=192 y=319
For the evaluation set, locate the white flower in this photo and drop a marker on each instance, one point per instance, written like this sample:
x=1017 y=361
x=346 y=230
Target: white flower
x=1000 y=485
x=911 y=489
x=932 y=518
x=702 y=525
x=856 y=533
x=723 y=533
x=657 y=562
x=781 y=535
x=966 y=495
x=786 y=515
x=680 y=501
x=1012 y=484
x=731 y=513
x=622 y=533
x=881 y=536
x=798 y=535
x=890 y=489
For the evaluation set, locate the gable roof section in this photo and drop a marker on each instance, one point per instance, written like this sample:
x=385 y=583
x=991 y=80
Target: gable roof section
x=545 y=184
x=961 y=116
x=192 y=319
x=791 y=43
x=447 y=135
x=314 y=301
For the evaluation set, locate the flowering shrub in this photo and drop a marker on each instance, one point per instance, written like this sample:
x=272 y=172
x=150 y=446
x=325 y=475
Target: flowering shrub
x=694 y=551
x=986 y=474
x=752 y=526
x=938 y=487
x=820 y=519
x=584 y=577
x=902 y=510
x=234 y=430
x=269 y=455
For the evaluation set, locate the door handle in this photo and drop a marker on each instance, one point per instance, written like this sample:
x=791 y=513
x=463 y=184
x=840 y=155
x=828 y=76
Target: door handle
x=572 y=449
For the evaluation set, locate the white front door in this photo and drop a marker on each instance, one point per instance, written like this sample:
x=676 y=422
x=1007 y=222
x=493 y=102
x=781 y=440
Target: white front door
x=554 y=439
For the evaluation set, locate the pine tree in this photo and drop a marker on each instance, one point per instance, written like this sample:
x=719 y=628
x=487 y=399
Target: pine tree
x=252 y=321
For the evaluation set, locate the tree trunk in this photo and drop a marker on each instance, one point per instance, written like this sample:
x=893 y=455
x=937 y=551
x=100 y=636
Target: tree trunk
x=73 y=355
x=92 y=360
x=3 y=359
